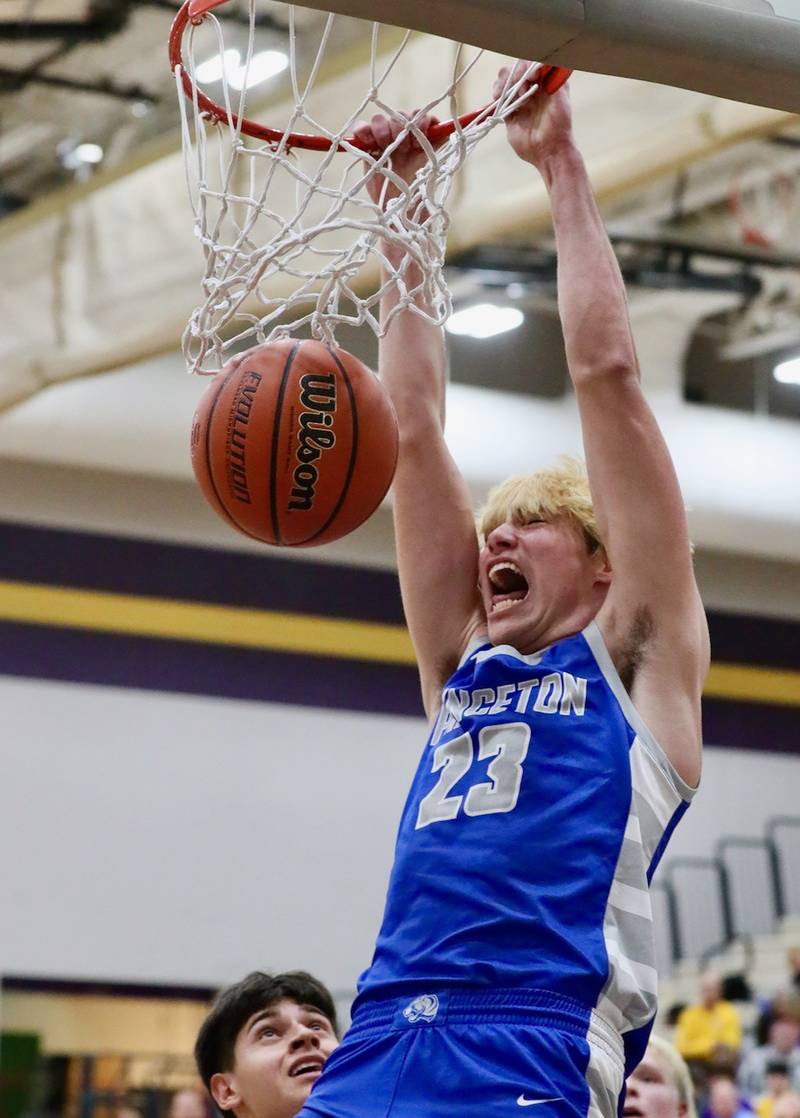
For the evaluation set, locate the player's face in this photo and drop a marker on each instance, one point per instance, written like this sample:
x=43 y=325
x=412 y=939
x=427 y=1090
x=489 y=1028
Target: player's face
x=538 y=582
x=278 y=1057
x=651 y=1091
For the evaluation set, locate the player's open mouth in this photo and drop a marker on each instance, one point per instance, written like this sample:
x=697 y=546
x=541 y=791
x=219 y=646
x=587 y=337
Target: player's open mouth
x=509 y=585
x=308 y=1069
x=631 y=1110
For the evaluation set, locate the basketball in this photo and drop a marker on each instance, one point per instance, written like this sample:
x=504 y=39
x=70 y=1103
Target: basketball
x=296 y=444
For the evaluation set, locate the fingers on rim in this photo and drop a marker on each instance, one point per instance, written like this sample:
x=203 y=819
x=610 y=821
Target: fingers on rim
x=421 y=125
x=384 y=130
x=508 y=75
x=380 y=131
x=363 y=133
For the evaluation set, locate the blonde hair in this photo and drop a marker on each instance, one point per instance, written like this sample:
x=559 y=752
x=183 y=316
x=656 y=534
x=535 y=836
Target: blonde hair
x=676 y=1065
x=560 y=491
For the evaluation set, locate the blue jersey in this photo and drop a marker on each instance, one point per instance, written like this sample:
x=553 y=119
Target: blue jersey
x=539 y=811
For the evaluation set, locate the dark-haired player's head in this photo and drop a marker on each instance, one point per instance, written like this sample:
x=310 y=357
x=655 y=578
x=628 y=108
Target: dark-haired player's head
x=264 y=1042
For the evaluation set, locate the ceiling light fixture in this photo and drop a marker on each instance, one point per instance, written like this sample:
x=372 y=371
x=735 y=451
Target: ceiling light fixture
x=78 y=157
x=788 y=372
x=213 y=68
x=264 y=65
x=89 y=153
x=484 y=320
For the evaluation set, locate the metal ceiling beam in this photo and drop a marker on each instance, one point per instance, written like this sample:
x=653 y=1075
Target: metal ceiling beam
x=105 y=17
x=13 y=80
x=657 y=261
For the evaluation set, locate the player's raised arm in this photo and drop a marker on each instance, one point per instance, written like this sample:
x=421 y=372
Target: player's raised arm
x=437 y=548
x=652 y=621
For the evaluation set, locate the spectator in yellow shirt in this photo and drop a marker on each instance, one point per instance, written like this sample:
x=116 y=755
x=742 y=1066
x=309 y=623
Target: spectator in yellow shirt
x=777 y=1083
x=786 y=1105
x=710 y=1026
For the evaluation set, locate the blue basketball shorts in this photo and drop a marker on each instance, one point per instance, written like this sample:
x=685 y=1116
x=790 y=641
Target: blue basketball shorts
x=453 y=1053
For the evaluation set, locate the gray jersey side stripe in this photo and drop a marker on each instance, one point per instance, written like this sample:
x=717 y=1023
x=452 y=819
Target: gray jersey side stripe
x=649 y=825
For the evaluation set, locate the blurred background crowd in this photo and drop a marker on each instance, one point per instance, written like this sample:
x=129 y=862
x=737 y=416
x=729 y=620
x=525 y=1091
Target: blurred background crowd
x=743 y=1049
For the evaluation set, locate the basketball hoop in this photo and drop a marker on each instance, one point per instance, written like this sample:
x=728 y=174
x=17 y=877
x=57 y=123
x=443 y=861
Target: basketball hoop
x=282 y=213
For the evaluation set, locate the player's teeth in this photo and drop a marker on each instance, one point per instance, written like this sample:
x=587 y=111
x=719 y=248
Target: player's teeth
x=503 y=567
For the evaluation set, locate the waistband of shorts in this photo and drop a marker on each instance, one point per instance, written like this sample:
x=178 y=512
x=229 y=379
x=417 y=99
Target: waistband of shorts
x=438 y=1008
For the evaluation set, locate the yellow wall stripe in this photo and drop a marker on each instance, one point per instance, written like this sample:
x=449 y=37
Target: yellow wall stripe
x=302 y=633
x=200 y=621
x=747 y=683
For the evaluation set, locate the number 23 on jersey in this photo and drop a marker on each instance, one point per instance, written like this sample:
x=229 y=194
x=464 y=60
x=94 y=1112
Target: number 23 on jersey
x=506 y=745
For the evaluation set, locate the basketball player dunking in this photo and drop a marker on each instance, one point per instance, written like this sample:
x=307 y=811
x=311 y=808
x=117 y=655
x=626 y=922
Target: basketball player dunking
x=562 y=664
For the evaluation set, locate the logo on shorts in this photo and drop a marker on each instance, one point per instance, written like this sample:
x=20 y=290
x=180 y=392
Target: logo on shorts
x=423 y=1008
x=522 y=1101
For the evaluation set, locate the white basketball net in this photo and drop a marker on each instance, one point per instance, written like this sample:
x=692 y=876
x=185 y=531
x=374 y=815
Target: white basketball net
x=286 y=233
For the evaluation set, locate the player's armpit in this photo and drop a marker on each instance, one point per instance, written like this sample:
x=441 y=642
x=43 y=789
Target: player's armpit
x=666 y=685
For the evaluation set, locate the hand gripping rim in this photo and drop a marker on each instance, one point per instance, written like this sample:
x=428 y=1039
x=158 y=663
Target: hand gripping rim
x=550 y=79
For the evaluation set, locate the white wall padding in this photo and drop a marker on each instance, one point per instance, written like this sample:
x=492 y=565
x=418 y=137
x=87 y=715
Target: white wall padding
x=167 y=838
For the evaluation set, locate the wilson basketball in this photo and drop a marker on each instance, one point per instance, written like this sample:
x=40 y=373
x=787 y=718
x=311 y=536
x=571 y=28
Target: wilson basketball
x=296 y=444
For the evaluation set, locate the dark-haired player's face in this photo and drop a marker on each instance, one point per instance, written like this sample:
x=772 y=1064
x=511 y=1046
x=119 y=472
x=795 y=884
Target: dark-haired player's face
x=278 y=1057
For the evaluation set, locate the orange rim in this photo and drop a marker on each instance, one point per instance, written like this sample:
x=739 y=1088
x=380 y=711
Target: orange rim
x=550 y=79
